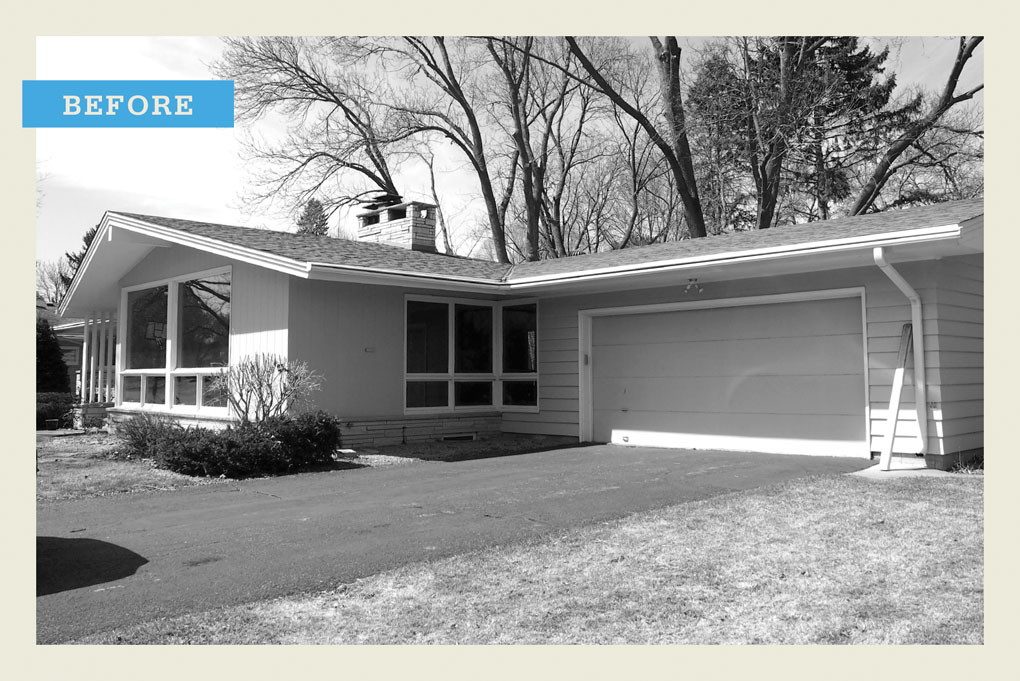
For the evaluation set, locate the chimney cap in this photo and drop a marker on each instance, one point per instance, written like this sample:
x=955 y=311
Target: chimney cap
x=403 y=204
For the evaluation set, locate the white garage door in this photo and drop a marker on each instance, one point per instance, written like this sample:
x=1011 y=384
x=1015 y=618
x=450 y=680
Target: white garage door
x=782 y=377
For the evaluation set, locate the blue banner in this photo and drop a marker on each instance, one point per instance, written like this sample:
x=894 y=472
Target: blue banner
x=127 y=104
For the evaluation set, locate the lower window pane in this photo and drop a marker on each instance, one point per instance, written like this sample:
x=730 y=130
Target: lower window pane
x=186 y=390
x=211 y=397
x=132 y=389
x=155 y=390
x=472 y=394
x=427 y=394
x=520 y=393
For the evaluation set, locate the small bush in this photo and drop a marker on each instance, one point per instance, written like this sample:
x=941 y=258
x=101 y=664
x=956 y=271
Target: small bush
x=242 y=452
x=51 y=406
x=276 y=446
x=309 y=439
x=145 y=433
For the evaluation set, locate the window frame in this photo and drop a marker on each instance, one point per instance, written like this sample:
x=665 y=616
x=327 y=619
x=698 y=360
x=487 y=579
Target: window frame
x=451 y=377
x=171 y=371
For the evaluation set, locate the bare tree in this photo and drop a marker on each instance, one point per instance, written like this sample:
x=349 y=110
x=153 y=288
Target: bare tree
x=340 y=143
x=429 y=158
x=889 y=163
x=675 y=146
x=51 y=279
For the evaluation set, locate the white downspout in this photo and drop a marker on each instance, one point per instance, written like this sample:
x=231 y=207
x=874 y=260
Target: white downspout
x=916 y=321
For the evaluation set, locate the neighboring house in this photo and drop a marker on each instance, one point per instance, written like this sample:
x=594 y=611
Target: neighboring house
x=69 y=336
x=784 y=340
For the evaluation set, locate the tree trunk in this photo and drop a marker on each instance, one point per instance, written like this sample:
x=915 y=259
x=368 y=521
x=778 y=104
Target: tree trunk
x=884 y=170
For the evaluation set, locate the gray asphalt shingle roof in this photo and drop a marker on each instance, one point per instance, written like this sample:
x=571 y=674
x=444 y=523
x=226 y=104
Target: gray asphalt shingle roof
x=789 y=235
x=324 y=249
x=395 y=259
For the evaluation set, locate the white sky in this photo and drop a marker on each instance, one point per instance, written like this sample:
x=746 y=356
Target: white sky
x=198 y=173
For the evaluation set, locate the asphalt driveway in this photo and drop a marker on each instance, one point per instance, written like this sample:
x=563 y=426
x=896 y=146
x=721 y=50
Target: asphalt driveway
x=109 y=562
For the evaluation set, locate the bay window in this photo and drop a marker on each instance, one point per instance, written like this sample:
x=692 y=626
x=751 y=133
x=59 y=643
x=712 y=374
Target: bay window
x=177 y=337
x=470 y=354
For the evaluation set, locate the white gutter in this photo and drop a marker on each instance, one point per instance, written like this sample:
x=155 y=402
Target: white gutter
x=917 y=323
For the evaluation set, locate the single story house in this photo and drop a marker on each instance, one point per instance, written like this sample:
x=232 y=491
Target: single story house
x=785 y=340
x=69 y=337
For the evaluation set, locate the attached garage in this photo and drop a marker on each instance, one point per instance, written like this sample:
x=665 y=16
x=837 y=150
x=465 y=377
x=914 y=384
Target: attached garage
x=780 y=374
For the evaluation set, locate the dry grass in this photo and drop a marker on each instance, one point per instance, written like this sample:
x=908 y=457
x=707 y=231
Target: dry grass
x=825 y=560
x=81 y=466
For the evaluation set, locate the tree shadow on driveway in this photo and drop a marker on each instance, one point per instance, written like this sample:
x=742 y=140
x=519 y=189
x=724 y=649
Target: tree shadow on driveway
x=63 y=564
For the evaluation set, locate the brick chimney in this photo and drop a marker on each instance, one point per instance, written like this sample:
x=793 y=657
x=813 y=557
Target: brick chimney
x=411 y=224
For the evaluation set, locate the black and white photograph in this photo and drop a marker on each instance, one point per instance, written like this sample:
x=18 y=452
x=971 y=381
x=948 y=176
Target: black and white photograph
x=510 y=340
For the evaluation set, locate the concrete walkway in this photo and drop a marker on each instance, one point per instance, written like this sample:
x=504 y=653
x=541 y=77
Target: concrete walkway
x=110 y=562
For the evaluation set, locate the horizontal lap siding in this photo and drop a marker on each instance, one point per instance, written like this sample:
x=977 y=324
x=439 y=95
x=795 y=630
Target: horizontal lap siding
x=960 y=355
x=887 y=311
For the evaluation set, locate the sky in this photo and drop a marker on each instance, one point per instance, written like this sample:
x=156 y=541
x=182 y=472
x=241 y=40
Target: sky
x=200 y=174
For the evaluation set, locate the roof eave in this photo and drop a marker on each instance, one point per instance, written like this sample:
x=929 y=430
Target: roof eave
x=210 y=245
x=925 y=235
x=372 y=275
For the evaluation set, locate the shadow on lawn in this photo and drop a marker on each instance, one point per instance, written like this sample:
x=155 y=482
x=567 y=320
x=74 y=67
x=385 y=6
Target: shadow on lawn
x=62 y=564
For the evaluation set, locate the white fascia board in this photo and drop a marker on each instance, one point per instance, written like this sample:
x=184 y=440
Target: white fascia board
x=101 y=234
x=248 y=255
x=372 y=275
x=811 y=248
x=369 y=275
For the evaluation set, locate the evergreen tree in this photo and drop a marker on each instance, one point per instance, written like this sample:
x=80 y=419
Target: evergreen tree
x=313 y=220
x=790 y=120
x=74 y=259
x=50 y=369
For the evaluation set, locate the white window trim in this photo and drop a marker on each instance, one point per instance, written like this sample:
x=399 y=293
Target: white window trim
x=497 y=376
x=171 y=370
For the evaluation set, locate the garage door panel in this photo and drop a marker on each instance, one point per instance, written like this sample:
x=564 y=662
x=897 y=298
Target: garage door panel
x=741 y=394
x=777 y=377
x=825 y=355
x=817 y=317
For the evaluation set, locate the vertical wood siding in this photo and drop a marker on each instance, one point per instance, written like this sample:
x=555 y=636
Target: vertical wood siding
x=259 y=297
x=259 y=302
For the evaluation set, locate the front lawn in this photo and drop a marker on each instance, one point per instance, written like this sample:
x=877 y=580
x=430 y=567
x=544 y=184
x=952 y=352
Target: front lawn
x=93 y=464
x=79 y=466
x=828 y=560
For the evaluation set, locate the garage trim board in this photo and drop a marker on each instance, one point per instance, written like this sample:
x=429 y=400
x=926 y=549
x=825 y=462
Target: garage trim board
x=723 y=440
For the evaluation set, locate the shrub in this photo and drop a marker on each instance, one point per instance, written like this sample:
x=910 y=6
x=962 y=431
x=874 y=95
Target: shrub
x=309 y=438
x=263 y=386
x=241 y=452
x=142 y=435
x=276 y=446
x=51 y=406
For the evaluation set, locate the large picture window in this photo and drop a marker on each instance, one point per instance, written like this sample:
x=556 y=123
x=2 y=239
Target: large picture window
x=203 y=326
x=146 y=338
x=471 y=355
x=177 y=336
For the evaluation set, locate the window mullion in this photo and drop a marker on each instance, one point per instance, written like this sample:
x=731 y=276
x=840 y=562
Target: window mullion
x=171 y=341
x=451 y=348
